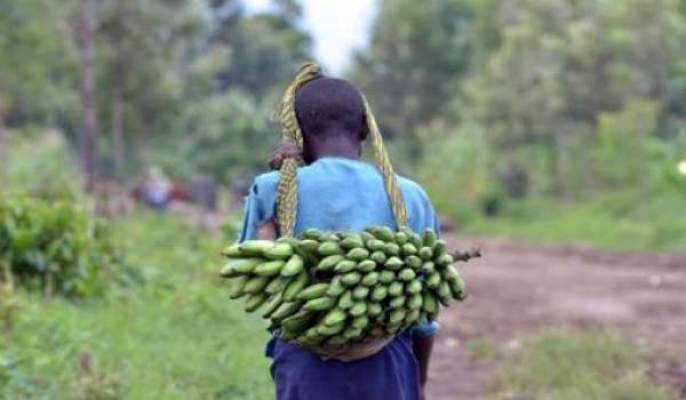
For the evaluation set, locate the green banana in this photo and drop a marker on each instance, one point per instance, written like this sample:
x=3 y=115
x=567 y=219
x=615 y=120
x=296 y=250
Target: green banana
x=379 y=293
x=254 y=301
x=329 y=248
x=255 y=247
x=401 y=238
x=370 y=279
x=382 y=232
x=366 y=266
x=352 y=241
x=386 y=276
x=232 y=251
x=336 y=288
x=269 y=268
x=239 y=266
x=413 y=287
x=320 y=304
x=428 y=267
x=256 y=284
x=313 y=291
x=334 y=317
x=397 y=302
x=408 y=249
x=391 y=249
x=329 y=262
x=237 y=287
x=329 y=330
x=374 y=309
x=293 y=267
x=309 y=246
x=407 y=275
x=286 y=309
x=429 y=238
x=360 y=292
x=425 y=253
x=358 y=309
x=344 y=266
x=273 y=302
x=277 y=285
x=296 y=285
x=378 y=257
x=351 y=278
x=396 y=317
x=352 y=333
x=346 y=300
x=415 y=302
x=394 y=263
x=375 y=244
x=360 y=322
x=279 y=251
x=413 y=262
x=395 y=288
x=358 y=254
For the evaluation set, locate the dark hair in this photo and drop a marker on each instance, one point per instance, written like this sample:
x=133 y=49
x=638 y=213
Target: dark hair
x=329 y=106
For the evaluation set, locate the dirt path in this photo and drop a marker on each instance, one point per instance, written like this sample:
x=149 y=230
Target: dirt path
x=516 y=289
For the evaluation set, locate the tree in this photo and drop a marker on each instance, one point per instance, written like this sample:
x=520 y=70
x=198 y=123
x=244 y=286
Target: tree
x=560 y=65
x=417 y=57
x=88 y=93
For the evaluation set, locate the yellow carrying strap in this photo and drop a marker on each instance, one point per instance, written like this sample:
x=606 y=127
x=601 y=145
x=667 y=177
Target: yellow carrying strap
x=287 y=192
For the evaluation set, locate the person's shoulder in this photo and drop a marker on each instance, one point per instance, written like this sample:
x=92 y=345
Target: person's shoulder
x=412 y=188
x=266 y=182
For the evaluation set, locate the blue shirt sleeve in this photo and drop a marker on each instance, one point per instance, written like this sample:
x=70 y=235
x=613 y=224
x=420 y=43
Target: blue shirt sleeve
x=259 y=206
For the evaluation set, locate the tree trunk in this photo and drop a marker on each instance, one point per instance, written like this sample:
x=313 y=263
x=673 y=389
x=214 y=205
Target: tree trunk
x=89 y=129
x=3 y=141
x=117 y=130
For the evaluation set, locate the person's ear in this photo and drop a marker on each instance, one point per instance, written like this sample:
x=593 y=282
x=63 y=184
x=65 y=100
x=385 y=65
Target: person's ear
x=364 y=131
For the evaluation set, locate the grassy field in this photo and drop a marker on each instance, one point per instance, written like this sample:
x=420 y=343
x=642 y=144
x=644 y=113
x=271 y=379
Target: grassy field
x=622 y=221
x=172 y=335
x=564 y=364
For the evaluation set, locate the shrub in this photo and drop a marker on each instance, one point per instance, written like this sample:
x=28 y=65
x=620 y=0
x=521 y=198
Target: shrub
x=55 y=246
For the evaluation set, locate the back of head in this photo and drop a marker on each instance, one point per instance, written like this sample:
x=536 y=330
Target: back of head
x=328 y=106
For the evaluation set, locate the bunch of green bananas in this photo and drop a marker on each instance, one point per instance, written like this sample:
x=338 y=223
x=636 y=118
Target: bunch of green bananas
x=338 y=288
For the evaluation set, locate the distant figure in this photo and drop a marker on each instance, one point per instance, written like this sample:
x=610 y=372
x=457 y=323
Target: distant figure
x=156 y=189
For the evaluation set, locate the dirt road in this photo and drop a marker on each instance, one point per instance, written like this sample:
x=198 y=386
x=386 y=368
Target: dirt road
x=517 y=289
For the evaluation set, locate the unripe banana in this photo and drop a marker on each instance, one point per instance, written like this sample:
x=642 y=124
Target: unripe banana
x=329 y=262
x=366 y=266
x=358 y=254
x=329 y=249
x=255 y=247
x=345 y=266
x=313 y=291
x=360 y=292
x=254 y=301
x=269 y=268
x=279 y=251
x=256 y=284
x=296 y=285
x=293 y=267
x=320 y=304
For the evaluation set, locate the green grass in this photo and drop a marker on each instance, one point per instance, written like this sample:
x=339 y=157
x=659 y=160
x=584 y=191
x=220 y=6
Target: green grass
x=172 y=336
x=573 y=365
x=620 y=221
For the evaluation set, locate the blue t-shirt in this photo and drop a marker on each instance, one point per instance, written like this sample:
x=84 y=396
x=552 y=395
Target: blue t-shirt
x=336 y=194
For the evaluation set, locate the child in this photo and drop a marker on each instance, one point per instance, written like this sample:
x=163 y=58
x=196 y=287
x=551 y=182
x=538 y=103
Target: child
x=338 y=192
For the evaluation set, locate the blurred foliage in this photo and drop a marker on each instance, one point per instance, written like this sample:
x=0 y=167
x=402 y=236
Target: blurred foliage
x=201 y=345
x=55 y=247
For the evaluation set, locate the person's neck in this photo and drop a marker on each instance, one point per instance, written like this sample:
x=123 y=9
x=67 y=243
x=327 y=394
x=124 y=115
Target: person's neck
x=337 y=147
